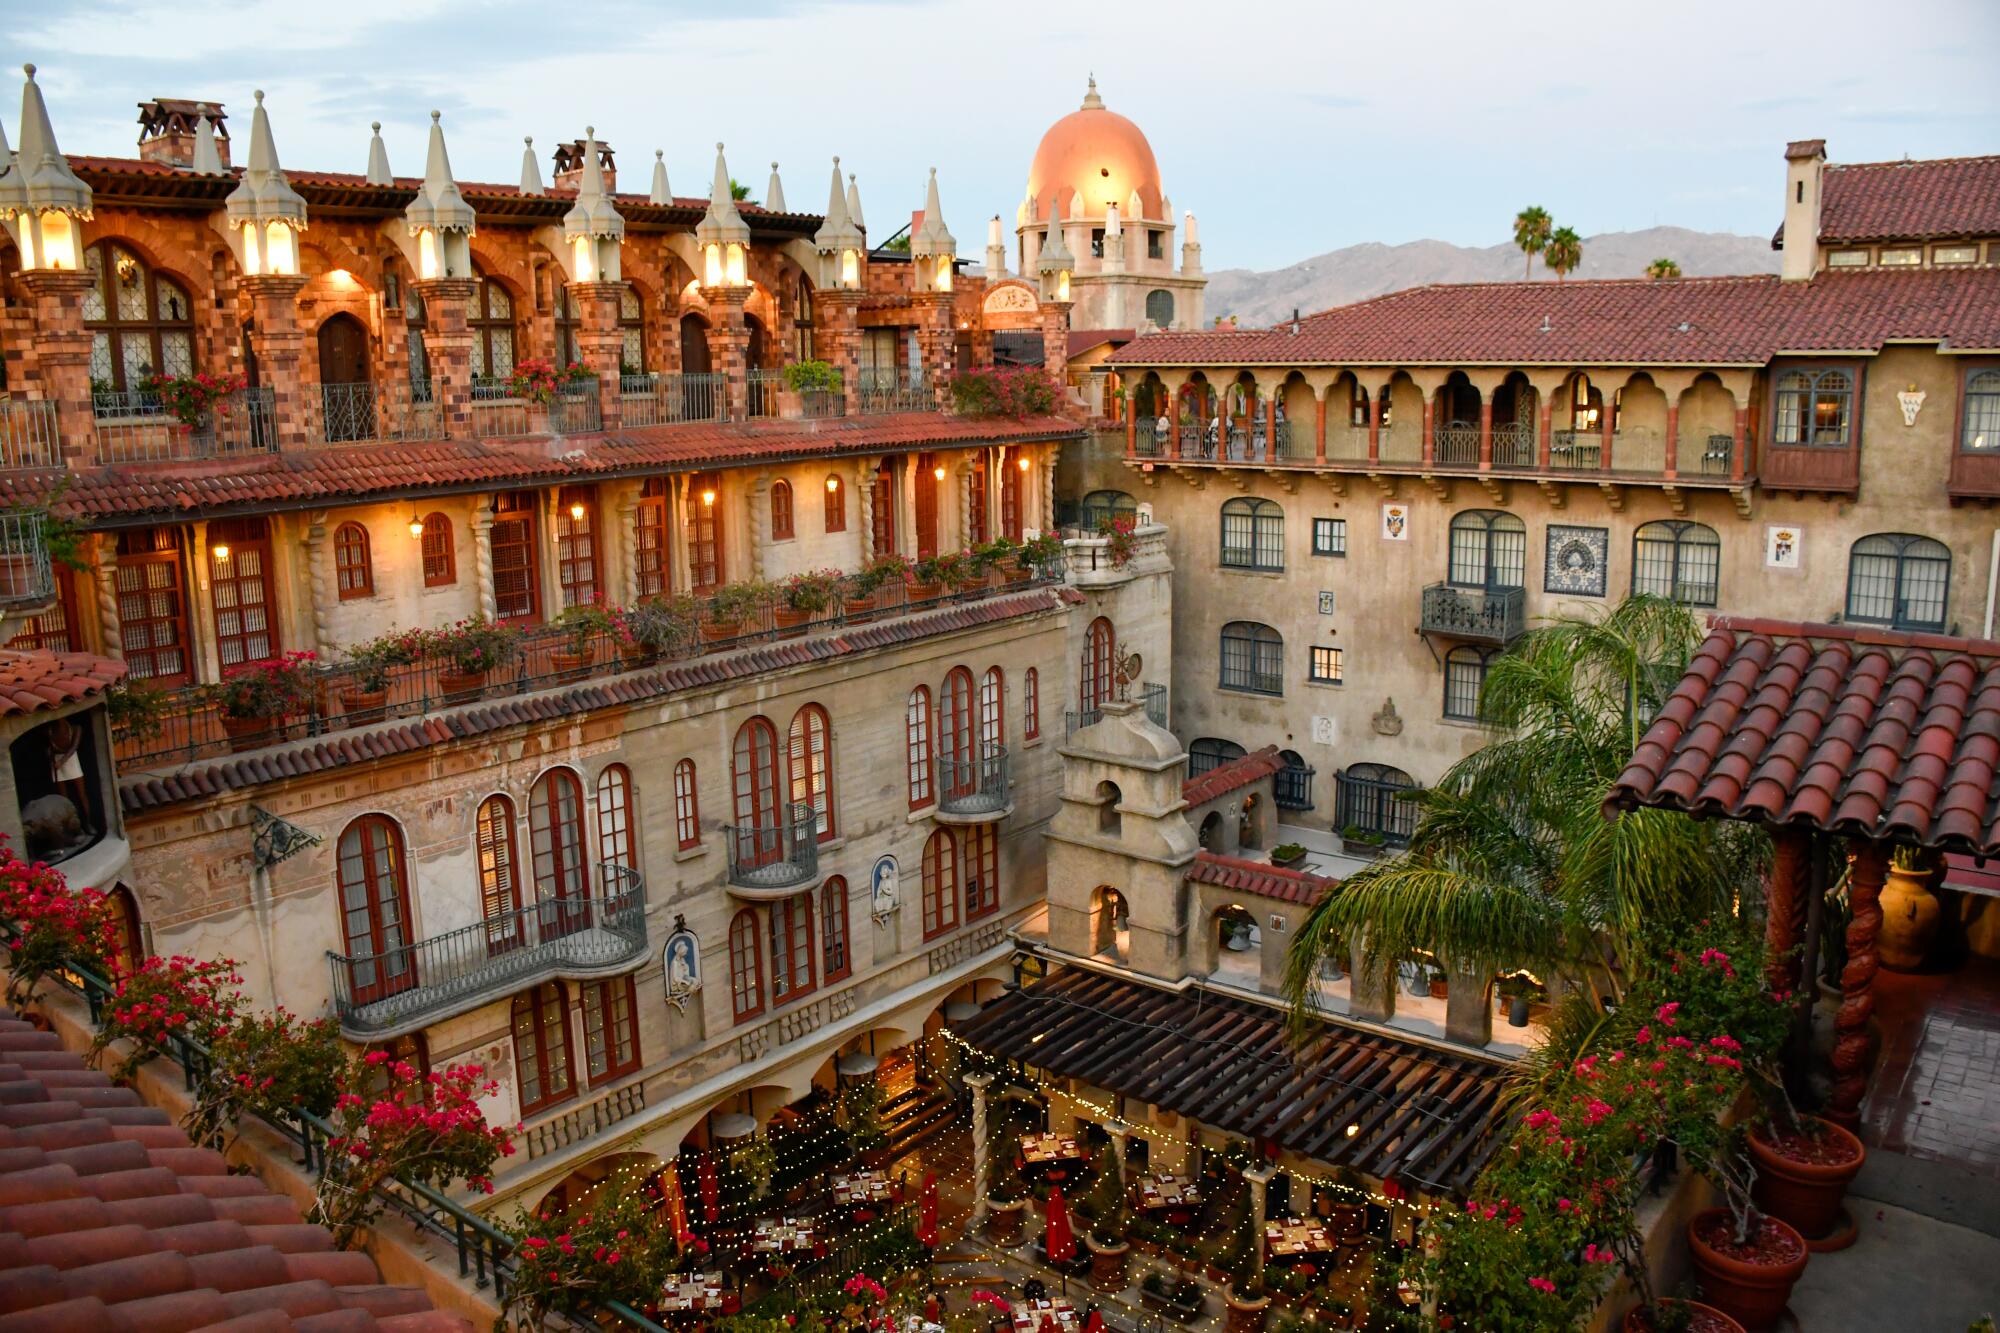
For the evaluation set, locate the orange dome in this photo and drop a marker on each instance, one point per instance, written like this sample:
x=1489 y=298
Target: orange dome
x=1092 y=157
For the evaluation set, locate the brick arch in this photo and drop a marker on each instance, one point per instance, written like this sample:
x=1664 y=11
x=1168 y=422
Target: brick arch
x=198 y=283
x=509 y=267
x=336 y=253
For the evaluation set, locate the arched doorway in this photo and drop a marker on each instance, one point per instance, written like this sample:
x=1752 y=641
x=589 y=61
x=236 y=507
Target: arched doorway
x=1110 y=923
x=1238 y=946
x=348 y=408
x=758 y=341
x=694 y=345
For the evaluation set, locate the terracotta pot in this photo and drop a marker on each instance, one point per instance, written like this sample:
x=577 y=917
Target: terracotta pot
x=247 y=733
x=364 y=708
x=1004 y=1223
x=1806 y=1195
x=858 y=608
x=791 y=624
x=1707 y=1319
x=925 y=592
x=1751 y=1293
x=460 y=687
x=1107 y=1265
x=1013 y=571
x=716 y=632
x=18 y=577
x=1245 y=1316
x=571 y=666
x=1909 y=920
x=1440 y=988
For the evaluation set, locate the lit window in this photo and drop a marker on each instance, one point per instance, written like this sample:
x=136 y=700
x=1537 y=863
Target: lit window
x=1326 y=665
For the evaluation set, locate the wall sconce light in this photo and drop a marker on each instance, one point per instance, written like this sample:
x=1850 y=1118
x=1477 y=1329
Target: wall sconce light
x=832 y=485
x=416 y=528
x=938 y=472
x=1023 y=463
x=220 y=551
x=708 y=497
x=576 y=511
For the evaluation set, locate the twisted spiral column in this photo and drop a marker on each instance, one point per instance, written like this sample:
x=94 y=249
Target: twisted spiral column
x=1785 y=909
x=110 y=628
x=1851 y=1053
x=322 y=589
x=864 y=494
x=482 y=557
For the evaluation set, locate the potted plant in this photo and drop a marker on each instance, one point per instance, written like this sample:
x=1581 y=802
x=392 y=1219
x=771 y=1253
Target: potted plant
x=1366 y=844
x=136 y=707
x=255 y=698
x=1515 y=995
x=864 y=589
x=542 y=381
x=1439 y=982
x=732 y=605
x=190 y=399
x=1288 y=854
x=1042 y=554
x=998 y=561
x=1667 y=1315
x=1119 y=542
x=656 y=627
x=811 y=386
x=364 y=698
x=466 y=651
x=1803 y=1170
x=930 y=574
x=803 y=596
x=581 y=625
x=1246 y=1296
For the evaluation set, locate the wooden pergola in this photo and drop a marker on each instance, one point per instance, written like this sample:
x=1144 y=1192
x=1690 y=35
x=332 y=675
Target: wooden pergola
x=1882 y=738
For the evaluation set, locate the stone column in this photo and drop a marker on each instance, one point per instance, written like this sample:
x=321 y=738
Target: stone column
x=1606 y=425
x=600 y=341
x=1468 y=1014
x=1055 y=343
x=1374 y=423
x=482 y=555
x=1486 y=433
x=1259 y=1181
x=1319 y=423
x=279 y=344
x=61 y=347
x=677 y=532
x=935 y=341
x=837 y=339
x=1371 y=986
x=448 y=351
x=1852 y=1053
x=624 y=541
x=1132 y=425
x=758 y=501
x=864 y=504
x=1785 y=907
x=729 y=344
x=978 y=1083
x=318 y=553
x=104 y=573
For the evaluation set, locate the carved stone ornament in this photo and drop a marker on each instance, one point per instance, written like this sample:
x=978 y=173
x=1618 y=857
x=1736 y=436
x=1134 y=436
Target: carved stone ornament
x=1911 y=400
x=1387 y=722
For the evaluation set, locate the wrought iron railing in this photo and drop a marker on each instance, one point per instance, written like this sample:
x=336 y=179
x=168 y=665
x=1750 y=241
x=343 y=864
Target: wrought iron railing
x=1292 y=787
x=29 y=436
x=1456 y=446
x=1152 y=696
x=357 y=413
x=780 y=851
x=1496 y=615
x=895 y=391
x=830 y=401
x=1375 y=806
x=1514 y=445
x=973 y=785
x=137 y=427
x=1576 y=450
x=656 y=399
x=761 y=392
x=577 y=410
x=1146 y=440
x=26 y=576
x=408 y=985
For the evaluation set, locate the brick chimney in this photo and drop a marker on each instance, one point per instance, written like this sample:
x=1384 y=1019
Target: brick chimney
x=1805 y=169
x=167 y=130
x=569 y=166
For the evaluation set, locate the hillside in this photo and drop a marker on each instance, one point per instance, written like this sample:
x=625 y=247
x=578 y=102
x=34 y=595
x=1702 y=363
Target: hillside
x=1360 y=271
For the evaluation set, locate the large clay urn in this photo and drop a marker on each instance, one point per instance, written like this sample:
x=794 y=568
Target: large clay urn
x=1909 y=920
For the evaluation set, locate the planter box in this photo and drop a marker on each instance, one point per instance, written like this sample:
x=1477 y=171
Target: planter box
x=1165 y=1305
x=1365 y=851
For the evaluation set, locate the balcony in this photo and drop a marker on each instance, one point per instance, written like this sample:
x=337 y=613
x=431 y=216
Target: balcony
x=1091 y=560
x=383 y=995
x=774 y=857
x=1152 y=696
x=29 y=437
x=666 y=399
x=973 y=789
x=1812 y=467
x=27 y=580
x=138 y=428
x=884 y=391
x=373 y=413
x=577 y=410
x=1975 y=474
x=1481 y=615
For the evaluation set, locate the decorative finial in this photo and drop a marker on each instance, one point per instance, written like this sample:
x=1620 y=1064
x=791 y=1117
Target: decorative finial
x=260 y=97
x=590 y=131
x=527 y=139
x=659 y=154
x=30 y=70
x=375 y=125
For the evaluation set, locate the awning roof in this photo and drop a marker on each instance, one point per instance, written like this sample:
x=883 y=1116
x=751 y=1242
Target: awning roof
x=1422 y=1116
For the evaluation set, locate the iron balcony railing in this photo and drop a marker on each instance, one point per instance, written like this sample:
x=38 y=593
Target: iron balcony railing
x=137 y=428
x=895 y=391
x=1153 y=697
x=1492 y=615
x=830 y=401
x=408 y=985
x=29 y=437
x=577 y=410
x=761 y=392
x=1375 y=806
x=363 y=413
x=1292 y=787
x=776 y=853
x=26 y=576
x=1147 y=441
x=1576 y=450
x=657 y=399
x=1456 y=446
x=1514 y=445
x=973 y=785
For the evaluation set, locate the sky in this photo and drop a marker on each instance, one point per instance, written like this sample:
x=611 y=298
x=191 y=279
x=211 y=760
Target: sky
x=1290 y=127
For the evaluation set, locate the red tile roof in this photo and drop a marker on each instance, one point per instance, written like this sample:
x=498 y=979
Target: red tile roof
x=1835 y=728
x=1891 y=201
x=31 y=682
x=1635 y=321
x=1082 y=340
x=205 y=779
x=1256 y=877
x=110 y=1220
x=1232 y=776
x=355 y=472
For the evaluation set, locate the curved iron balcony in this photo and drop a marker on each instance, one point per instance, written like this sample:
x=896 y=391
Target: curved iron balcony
x=973 y=789
x=1487 y=615
x=773 y=857
x=407 y=986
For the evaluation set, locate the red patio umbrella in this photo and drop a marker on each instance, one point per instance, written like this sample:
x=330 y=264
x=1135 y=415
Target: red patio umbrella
x=1059 y=1240
x=711 y=1189
x=927 y=1221
x=676 y=1204
x=1094 y=1324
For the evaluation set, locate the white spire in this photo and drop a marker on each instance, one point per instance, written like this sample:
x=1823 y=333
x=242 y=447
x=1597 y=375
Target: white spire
x=438 y=205
x=1190 y=230
x=38 y=178
x=932 y=239
x=264 y=195
x=531 y=170
x=854 y=203
x=378 y=157
x=1091 y=101
x=207 y=160
x=1134 y=209
x=994 y=236
x=1055 y=254
x=592 y=215
x=721 y=224
x=774 y=193
x=838 y=232
x=661 y=194
x=1112 y=226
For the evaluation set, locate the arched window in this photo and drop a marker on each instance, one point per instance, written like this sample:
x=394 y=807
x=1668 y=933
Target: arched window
x=836 y=505
x=1253 y=658
x=917 y=745
x=1586 y=404
x=499 y=874
x=704 y=532
x=1100 y=506
x=576 y=545
x=955 y=771
x=1464 y=679
x=141 y=324
x=567 y=324
x=1981 y=432
x=982 y=870
x=1207 y=752
x=652 y=562
x=810 y=751
x=1292 y=785
x=541 y=1047
x=833 y=953
x=992 y=711
x=1489 y=549
x=490 y=316
x=1253 y=534
x=1099 y=649
x=1031 y=705
x=610 y=1029
x=631 y=333
x=782 y=529
x=1676 y=559
x=440 y=554
x=802 y=321
x=1375 y=798
x=791 y=948
x=754 y=783
x=1813 y=408
x=746 y=967
x=940 y=883
x=1159 y=303
x=353 y=573
x=614 y=817
x=1899 y=579
x=127 y=939
x=375 y=909
x=687 y=806
x=555 y=845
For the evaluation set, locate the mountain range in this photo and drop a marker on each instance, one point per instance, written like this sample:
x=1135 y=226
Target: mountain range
x=1356 y=272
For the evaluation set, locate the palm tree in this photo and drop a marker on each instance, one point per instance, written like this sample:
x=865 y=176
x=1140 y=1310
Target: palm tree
x=1531 y=233
x=739 y=191
x=1563 y=252
x=1513 y=863
x=1663 y=268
